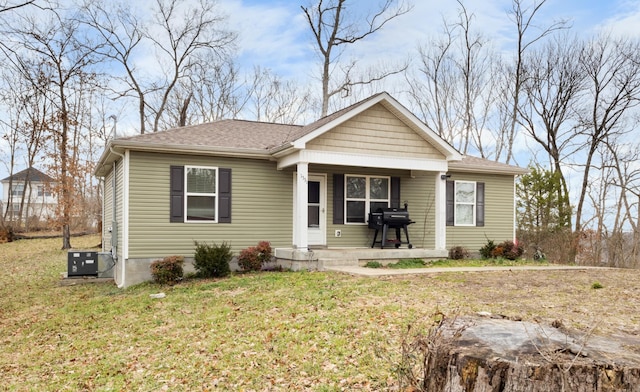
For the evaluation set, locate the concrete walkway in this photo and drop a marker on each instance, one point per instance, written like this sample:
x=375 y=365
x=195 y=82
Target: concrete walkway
x=362 y=271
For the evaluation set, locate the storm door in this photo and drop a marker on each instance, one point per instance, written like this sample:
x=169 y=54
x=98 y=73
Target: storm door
x=316 y=210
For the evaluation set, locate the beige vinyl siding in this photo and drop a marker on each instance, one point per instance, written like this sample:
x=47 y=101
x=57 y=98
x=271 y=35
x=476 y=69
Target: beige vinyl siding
x=107 y=211
x=375 y=131
x=261 y=206
x=498 y=213
x=418 y=192
x=107 y=214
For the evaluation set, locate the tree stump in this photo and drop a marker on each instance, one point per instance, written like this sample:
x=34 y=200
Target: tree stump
x=490 y=354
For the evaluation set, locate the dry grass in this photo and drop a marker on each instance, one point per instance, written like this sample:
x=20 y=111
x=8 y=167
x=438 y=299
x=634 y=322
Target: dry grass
x=268 y=331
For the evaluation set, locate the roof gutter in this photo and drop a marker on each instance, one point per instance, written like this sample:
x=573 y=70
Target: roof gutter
x=196 y=150
x=456 y=166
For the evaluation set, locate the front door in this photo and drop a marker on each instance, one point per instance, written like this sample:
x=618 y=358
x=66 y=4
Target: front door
x=316 y=211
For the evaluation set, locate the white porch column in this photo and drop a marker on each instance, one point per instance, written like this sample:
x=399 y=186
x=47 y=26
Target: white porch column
x=441 y=211
x=300 y=223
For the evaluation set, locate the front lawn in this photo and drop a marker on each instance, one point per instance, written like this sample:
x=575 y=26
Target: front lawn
x=275 y=331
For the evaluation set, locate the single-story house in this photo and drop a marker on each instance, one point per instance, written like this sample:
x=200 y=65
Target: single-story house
x=306 y=189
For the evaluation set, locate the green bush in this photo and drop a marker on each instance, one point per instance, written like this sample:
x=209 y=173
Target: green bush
x=458 y=253
x=487 y=250
x=212 y=261
x=168 y=270
x=373 y=264
x=254 y=257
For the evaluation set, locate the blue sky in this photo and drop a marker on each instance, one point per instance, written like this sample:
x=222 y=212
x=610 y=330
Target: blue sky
x=274 y=33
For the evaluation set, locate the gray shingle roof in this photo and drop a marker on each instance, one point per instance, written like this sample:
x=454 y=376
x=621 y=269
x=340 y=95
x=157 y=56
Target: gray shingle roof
x=255 y=137
x=34 y=175
x=239 y=134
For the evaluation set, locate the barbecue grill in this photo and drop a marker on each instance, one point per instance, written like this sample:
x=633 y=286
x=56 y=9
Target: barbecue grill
x=390 y=218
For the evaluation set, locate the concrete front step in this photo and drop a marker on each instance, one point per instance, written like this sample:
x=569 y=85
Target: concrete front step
x=343 y=262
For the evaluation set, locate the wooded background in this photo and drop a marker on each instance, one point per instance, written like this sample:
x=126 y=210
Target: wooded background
x=71 y=69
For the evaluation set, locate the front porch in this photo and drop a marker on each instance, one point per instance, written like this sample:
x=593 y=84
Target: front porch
x=319 y=259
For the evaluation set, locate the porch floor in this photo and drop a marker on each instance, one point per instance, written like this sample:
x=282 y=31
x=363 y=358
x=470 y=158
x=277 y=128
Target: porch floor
x=320 y=259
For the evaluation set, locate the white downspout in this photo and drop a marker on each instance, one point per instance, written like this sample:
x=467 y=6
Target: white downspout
x=114 y=216
x=441 y=211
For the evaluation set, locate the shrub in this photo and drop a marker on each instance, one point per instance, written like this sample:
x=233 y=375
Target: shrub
x=458 y=253
x=510 y=250
x=167 y=270
x=497 y=252
x=253 y=257
x=6 y=234
x=212 y=261
x=597 y=285
x=487 y=250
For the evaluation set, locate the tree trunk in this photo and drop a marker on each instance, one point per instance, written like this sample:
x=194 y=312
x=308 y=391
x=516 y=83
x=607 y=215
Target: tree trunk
x=487 y=354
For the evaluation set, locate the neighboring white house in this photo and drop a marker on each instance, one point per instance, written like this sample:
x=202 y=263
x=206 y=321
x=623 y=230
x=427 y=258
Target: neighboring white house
x=33 y=189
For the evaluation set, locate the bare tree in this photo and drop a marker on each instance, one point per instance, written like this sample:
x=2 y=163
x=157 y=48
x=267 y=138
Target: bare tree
x=184 y=32
x=455 y=86
x=10 y=6
x=180 y=36
x=58 y=43
x=333 y=28
x=214 y=90
x=528 y=33
x=473 y=66
x=612 y=69
x=553 y=82
x=123 y=33
x=432 y=90
x=276 y=100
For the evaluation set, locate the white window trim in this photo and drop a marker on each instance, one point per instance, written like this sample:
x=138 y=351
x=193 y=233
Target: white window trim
x=187 y=194
x=18 y=190
x=367 y=200
x=472 y=204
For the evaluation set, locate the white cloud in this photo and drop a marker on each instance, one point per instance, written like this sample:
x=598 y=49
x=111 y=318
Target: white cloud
x=271 y=35
x=625 y=21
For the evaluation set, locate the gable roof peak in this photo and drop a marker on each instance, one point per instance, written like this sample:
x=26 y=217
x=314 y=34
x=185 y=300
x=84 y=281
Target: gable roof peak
x=30 y=173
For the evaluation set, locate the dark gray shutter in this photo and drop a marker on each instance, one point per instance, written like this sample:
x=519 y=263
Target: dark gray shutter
x=176 y=192
x=395 y=192
x=224 y=195
x=450 y=200
x=338 y=199
x=479 y=203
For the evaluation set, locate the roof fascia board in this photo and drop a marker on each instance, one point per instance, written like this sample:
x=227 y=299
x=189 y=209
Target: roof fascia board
x=172 y=148
x=514 y=170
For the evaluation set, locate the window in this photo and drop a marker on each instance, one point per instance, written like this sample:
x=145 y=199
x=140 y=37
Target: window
x=17 y=189
x=201 y=193
x=465 y=203
x=363 y=195
x=42 y=191
x=465 y=199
